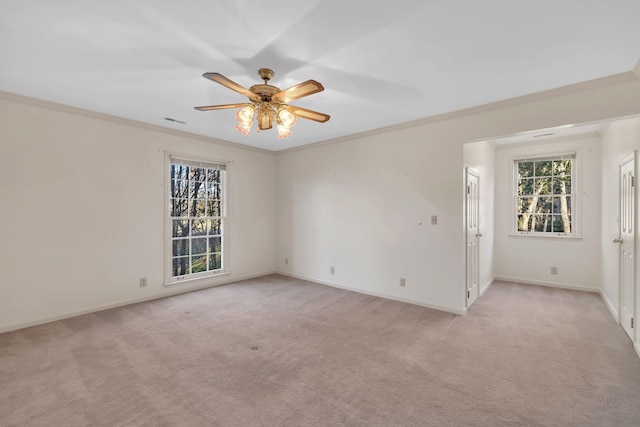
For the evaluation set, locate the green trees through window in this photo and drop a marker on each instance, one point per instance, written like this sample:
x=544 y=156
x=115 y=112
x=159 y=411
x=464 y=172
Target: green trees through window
x=544 y=197
x=196 y=217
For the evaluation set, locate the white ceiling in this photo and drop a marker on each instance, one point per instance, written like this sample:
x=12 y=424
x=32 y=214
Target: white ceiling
x=382 y=63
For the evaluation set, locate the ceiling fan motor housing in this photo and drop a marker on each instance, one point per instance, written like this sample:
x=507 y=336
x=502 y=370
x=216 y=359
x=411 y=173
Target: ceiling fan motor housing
x=265 y=91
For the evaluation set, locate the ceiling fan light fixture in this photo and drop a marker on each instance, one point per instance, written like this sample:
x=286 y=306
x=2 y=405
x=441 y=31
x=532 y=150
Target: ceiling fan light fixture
x=286 y=118
x=283 y=131
x=245 y=115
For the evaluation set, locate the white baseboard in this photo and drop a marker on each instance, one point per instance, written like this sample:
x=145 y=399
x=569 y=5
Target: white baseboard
x=487 y=285
x=636 y=347
x=610 y=306
x=460 y=312
x=174 y=290
x=549 y=284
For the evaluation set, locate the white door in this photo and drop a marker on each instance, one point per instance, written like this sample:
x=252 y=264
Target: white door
x=473 y=234
x=627 y=244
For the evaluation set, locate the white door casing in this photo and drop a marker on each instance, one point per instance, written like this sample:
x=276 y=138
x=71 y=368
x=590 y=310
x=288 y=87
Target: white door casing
x=472 y=225
x=627 y=241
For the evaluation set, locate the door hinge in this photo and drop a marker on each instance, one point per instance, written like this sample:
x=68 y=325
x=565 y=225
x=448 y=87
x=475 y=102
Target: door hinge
x=469 y=295
x=633 y=181
x=632 y=323
x=468 y=189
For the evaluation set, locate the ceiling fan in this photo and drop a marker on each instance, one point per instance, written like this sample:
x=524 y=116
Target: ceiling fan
x=268 y=104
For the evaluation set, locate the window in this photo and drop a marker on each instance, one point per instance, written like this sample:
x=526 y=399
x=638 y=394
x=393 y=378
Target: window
x=545 y=198
x=196 y=219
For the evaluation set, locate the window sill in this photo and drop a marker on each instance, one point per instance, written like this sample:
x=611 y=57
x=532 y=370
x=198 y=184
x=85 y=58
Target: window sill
x=545 y=236
x=196 y=280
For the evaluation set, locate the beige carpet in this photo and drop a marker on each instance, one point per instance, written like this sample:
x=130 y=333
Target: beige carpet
x=277 y=351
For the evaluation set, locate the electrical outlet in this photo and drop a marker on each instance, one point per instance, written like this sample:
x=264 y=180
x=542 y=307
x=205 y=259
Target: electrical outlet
x=434 y=220
x=403 y=282
x=332 y=270
x=143 y=282
x=286 y=261
x=554 y=270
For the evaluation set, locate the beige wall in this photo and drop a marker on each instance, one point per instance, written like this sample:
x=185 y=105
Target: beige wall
x=363 y=204
x=82 y=211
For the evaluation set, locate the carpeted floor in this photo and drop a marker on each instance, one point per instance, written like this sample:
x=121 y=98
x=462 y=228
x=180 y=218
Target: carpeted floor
x=276 y=351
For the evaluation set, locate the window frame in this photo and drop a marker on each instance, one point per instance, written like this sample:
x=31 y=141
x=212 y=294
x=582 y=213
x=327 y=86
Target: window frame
x=576 y=169
x=169 y=279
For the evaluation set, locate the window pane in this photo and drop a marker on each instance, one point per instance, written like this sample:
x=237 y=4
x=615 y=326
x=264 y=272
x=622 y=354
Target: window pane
x=198 y=208
x=198 y=174
x=213 y=175
x=180 y=247
x=544 y=205
x=562 y=185
x=215 y=261
x=214 y=190
x=213 y=208
x=562 y=167
x=562 y=224
x=199 y=264
x=525 y=169
x=197 y=190
x=179 y=188
x=180 y=266
x=180 y=228
x=525 y=187
x=199 y=246
x=524 y=205
x=544 y=168
x=179 y=207
x=543 y=185
x=524 y=222
x=541 y=223
x=215 y=244
x=216 y=227
x=199 y=227
x=179 y=172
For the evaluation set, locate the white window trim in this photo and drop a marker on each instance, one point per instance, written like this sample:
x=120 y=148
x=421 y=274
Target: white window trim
x=168 y=253
x=576 y=202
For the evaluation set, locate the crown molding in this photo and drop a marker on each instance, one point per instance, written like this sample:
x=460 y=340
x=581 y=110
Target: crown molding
x=50 y=105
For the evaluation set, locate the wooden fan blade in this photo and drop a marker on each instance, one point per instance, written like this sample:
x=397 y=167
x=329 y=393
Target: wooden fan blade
x=308 y=114
x=298 y=91
x=220 y=107
x=219 y=78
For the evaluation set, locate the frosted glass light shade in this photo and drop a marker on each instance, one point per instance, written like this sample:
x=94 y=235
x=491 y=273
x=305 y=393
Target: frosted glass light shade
x=245 y=115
